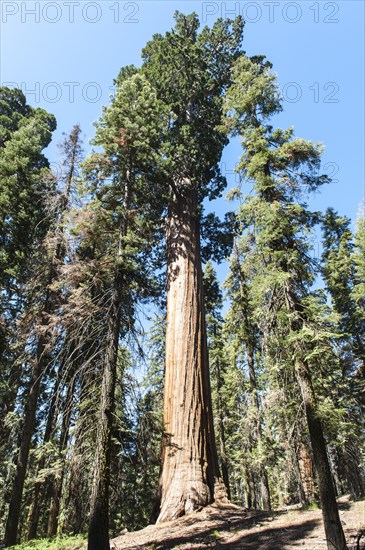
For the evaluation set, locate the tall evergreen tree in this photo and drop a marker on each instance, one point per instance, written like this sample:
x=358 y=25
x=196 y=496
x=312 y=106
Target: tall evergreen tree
x=281 y=168
x=26 y=185
x=71 y=151
x=81 y=436
x=358 y=292
x=343 y=281
x=340 y=268
x=129 y=132
x=240 y=320
x=49 y=299
x=25 y=181
x=189 y=71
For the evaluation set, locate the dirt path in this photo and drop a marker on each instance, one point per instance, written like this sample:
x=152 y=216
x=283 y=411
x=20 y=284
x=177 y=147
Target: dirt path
x=234 y=528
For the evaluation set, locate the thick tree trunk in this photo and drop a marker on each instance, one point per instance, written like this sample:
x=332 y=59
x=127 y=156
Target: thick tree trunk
x=98 y=535
x=331 y=519
x=189 y=457
x=265 y=491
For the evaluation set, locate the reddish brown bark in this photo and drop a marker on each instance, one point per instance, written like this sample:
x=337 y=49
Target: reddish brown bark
x=190 y=473
x=306 y=472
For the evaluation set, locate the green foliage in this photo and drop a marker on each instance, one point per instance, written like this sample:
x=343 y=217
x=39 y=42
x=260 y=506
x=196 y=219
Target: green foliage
x=358 y=292
x=63 y=543
x=276 y=267
x=341 y=267
x=124 y=180
x=189 y=72
x=253 y=95
x=164 y=132
x=25 y=182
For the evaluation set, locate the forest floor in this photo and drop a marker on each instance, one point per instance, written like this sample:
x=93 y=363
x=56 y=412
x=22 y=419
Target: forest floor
x=231 y=527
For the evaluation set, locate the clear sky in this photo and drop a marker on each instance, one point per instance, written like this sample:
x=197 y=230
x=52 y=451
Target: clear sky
x=65 y=55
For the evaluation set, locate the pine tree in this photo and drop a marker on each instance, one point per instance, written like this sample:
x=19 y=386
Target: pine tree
x=281 y=168
x=343 y=280
x=71 y=151
x=54 y=247
x=339 y=268
x=358 y=292
x=129 y=133
x=25 y=181
x=26 y=186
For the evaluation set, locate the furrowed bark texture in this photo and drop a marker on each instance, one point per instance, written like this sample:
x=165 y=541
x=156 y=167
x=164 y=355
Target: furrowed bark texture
x=189 y=457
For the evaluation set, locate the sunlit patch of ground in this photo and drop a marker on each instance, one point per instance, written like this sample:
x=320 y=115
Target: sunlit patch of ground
x=234 y=528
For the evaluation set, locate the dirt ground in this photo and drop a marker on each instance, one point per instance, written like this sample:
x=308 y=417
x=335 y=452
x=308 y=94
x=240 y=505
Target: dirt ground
x=234 y=528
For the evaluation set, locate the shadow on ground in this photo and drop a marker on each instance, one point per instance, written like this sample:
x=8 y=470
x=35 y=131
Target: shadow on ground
x=231 y=527
x=277 y=538
x=344 y=505
x=235 y=529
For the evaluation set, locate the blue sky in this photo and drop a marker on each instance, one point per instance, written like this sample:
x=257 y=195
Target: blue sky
x=65 y=55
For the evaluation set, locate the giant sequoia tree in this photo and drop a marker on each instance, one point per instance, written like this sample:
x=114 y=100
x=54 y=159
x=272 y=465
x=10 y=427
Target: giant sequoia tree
x=190 y=71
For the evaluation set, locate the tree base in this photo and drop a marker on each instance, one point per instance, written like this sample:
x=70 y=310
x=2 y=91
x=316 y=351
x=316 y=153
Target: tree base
x=192 y=500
